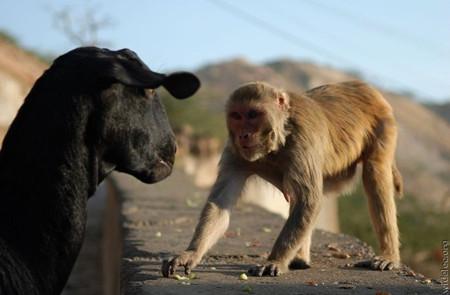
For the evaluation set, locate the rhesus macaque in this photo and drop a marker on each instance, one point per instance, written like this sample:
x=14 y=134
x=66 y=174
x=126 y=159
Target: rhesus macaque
x=308 y=146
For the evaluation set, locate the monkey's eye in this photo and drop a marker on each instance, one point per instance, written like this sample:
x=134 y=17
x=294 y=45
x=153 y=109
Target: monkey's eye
x=252 y=114
x=235 y=116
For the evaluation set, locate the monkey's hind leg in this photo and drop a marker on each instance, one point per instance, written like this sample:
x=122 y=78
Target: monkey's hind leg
x=379 y=186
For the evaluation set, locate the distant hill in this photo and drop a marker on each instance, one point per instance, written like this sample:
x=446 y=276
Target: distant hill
x=18 y=71
x=424 y=138
x=442 y=109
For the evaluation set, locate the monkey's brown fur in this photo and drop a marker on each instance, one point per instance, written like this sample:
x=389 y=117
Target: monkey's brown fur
x=307 y=146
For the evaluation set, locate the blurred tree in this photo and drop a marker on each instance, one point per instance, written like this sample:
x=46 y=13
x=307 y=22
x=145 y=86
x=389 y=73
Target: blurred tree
x=82 y=26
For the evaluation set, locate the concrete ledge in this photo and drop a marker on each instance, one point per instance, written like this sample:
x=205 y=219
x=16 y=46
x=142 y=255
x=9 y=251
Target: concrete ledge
x=111 y=242
x=157 y=221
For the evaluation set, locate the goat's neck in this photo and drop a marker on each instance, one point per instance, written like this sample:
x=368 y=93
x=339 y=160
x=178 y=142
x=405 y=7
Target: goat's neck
x=45 y=181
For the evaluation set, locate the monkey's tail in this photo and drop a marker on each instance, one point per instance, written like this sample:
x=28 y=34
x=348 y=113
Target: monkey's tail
x=398 y=181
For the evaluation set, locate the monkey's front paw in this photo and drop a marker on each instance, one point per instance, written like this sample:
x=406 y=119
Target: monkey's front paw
x=379 y=263
x=187 y=259
x=272 y=269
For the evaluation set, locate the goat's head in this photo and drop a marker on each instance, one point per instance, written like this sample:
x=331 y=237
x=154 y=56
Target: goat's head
x=129 y=126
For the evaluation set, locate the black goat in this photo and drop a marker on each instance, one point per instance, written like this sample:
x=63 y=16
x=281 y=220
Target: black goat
x=91 y=112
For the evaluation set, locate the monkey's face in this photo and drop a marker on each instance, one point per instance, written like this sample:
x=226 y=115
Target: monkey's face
x=250 y=131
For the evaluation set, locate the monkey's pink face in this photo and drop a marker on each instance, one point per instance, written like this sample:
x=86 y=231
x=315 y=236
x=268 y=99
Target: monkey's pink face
x=247 y=126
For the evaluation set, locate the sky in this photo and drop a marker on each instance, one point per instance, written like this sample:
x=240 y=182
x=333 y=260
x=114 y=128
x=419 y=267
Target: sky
x=401 y=45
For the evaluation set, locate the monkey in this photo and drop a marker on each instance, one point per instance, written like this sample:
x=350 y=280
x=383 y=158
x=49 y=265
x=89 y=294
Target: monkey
x=308 y=146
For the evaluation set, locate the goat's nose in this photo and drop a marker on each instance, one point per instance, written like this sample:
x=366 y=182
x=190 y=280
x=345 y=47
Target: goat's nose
x=244 y=136
x=174 y=147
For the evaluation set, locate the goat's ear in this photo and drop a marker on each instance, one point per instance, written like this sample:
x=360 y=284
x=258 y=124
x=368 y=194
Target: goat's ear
x=134 y=74
x=126 y=67
x=181 y=84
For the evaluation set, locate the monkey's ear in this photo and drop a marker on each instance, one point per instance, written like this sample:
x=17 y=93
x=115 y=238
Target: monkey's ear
x=283 y=99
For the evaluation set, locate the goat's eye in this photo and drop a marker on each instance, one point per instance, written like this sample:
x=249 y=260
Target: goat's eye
x=235 y=116
x=252 y=114
x=150 y=93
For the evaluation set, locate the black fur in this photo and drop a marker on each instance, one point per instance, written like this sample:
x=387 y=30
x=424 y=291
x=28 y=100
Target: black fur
x=87 y=115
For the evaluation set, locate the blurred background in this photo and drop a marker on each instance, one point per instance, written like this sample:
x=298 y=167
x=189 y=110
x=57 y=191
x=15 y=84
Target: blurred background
x=402 y=47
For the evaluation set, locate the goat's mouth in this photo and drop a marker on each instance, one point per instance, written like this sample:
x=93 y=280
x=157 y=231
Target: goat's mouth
x=160 y=169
